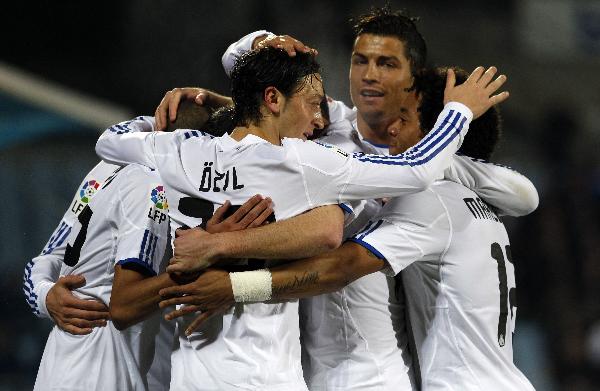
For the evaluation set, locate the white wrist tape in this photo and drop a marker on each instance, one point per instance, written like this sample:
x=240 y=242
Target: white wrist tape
x=251 y=286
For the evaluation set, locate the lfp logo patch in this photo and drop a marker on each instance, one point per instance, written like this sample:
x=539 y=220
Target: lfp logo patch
x=88 y=190
x=159 y=198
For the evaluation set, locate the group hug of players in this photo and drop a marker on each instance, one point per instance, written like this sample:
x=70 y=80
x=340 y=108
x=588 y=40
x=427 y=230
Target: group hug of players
x=389 y=237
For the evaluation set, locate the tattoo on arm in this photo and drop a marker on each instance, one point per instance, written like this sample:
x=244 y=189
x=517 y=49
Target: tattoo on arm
x=307 y=279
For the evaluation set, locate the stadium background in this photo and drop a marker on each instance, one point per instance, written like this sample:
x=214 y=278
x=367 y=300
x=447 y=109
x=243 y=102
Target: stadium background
x=68 y=69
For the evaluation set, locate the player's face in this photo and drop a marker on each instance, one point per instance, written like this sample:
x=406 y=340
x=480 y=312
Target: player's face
x=379 y=75
x=302 y=114
x=407 y=127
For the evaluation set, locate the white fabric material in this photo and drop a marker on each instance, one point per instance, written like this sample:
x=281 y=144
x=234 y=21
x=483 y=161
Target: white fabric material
x=42 y=271
x=349 y=338
x=444 y=239
x=509 y=192
x=236 y=49
x=251 y=286
x=127 y=224
x=256 y=345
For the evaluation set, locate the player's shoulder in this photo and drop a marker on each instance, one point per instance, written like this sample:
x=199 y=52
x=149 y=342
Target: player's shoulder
x=316 y=155
x=422 y=208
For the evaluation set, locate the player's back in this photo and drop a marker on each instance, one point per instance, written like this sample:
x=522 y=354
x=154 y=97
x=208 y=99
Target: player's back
x=110 y=230
x=463 y=304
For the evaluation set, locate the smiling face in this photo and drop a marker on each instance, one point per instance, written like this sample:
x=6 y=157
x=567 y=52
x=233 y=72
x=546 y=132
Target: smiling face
x=406 y=131
x=301 y=114
x=379 y=76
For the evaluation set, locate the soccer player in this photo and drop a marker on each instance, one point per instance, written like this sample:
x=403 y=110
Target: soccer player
x=276 y=96
x=445 y=238
x=141 y=354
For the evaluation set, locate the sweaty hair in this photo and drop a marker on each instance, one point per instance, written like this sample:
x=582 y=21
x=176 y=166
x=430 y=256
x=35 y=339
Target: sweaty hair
x=189 y=116
x=484 y=132
x=220 y=122
x=385 y=22
x=267 y=67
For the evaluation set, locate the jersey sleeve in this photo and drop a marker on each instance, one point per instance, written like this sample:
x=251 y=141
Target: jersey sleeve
x=142 y=223
x=338 y=111
x=42 y=271
x=511 y=193
x=333 y=176
x=408 y=229
x=236 y=49
x=133 y=142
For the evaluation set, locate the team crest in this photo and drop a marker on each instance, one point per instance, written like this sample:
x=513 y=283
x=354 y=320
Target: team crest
x=159 y=198
x=88 y=190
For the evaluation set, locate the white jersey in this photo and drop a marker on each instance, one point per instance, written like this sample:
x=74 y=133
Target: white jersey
x=125 y=223
x=459 y=282
x=256 y=346
x=42 y=271
x=348 y=335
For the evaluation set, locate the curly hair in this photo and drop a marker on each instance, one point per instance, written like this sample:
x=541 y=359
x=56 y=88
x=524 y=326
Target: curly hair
x=267 y=67
x=383 y=21
x=484 y=132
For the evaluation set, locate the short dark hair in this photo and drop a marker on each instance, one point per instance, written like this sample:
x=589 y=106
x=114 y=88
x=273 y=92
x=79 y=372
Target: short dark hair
x=383 y=21
x=484 y=132
x=267 y=67
x=189 y=116
x=220 y=122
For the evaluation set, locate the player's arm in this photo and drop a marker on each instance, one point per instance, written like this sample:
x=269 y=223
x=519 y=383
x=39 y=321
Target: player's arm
x=216 y=289
x=135 y=290
x=376 y=176
x=511 y=193
x=302 y=236
x=48 y=294
x=132 y=142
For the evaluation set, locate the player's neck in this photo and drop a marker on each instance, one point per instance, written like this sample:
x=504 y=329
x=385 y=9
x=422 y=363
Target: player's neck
x=263 y=132
x=374 y=132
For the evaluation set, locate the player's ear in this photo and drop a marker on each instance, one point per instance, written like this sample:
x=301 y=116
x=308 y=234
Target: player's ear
x=274 y=100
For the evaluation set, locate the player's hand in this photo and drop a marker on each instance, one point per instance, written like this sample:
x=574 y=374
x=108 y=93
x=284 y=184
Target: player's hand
x=290 y=44
x=253 y=213
x=167 y=109
x=72 y=314
x=477 y=91
x=193 y=250
x=210 y=293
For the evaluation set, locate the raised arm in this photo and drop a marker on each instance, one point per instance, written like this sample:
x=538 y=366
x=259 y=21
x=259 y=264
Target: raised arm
x=129 y=142
x=511 y=193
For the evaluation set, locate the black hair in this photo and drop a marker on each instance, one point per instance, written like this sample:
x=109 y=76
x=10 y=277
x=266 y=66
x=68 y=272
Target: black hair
x=267 y=67
x=220 y=122
x=484 y=132
x=189 y=116
x=383 y=21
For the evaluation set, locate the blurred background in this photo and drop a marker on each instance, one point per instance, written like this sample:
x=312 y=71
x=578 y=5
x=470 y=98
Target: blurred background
x=70 y=69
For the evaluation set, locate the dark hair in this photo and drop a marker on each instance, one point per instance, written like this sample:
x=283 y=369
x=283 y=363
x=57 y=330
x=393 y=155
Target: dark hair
x=220 y=122
x=383 y=21
x=189 y=116
x=484 y=132
x=268 y=67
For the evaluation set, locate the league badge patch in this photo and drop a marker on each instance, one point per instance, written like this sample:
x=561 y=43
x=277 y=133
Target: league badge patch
x=159 y=198
x=88 y=190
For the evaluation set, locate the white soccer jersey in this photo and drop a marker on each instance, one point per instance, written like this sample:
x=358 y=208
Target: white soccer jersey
x=256 y=345
x=42 y=271
x=459 y=282
x=126 y=223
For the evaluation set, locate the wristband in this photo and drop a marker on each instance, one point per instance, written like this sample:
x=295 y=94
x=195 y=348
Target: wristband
x=251 y=286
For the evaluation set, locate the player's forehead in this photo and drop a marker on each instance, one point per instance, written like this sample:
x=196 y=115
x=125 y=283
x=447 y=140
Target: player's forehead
x=311 y=87
x=374 y=46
